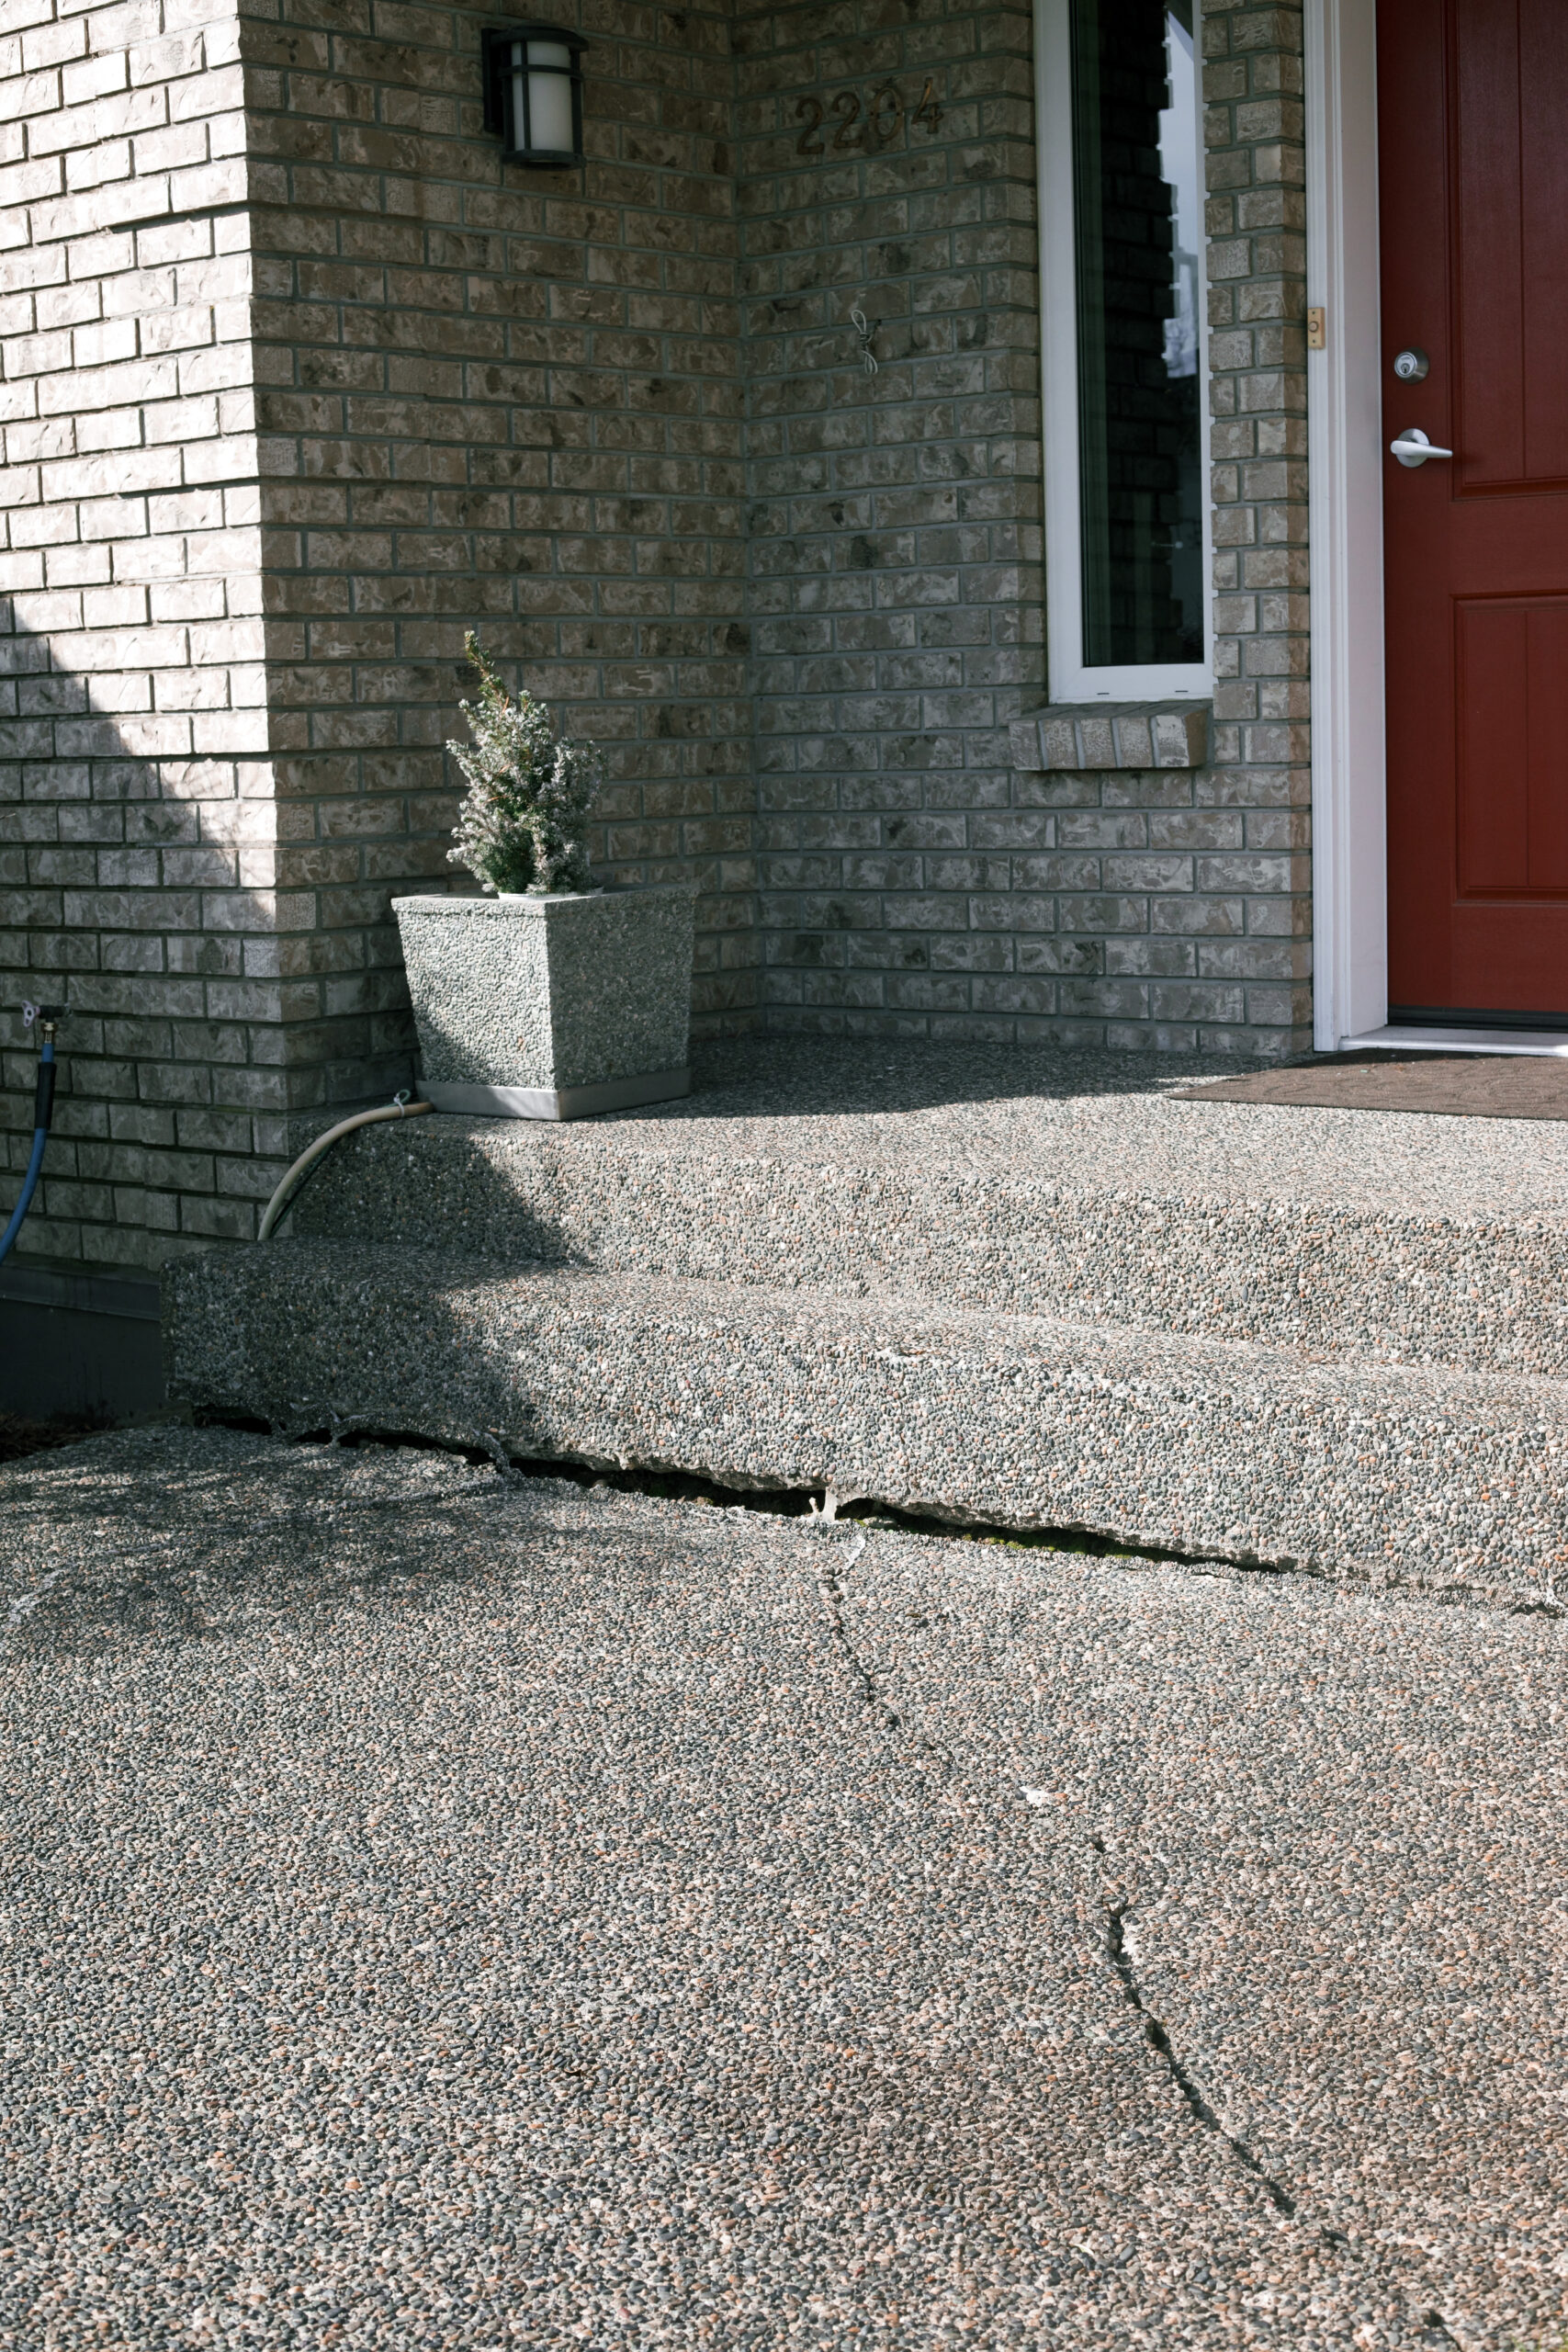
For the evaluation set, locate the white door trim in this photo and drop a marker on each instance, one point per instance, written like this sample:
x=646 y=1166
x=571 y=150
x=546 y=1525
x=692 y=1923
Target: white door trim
x=1345 y=526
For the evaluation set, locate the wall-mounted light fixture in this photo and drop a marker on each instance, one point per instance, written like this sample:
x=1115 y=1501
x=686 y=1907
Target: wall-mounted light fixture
x=533 y=83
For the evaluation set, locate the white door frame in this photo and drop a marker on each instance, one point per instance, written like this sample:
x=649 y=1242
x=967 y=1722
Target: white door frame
x=1345 y=526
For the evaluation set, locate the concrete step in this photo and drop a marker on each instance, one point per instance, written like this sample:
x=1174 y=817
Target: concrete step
x=1074 y=1186
x=1456 y=1481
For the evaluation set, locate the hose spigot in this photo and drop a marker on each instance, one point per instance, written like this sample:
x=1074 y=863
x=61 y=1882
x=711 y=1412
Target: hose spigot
x=47 y=1016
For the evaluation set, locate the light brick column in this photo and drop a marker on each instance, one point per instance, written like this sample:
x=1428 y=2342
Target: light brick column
x=301 y=382
x=136 y=871
x=1259 y=888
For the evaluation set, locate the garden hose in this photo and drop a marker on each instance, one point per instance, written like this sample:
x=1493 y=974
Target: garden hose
x=399 y=1107
x=48 y=1017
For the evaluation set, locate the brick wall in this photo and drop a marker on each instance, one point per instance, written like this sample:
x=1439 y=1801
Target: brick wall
x=504 y=399
x=135 y=840
x=1174 y=908
x=912 y=879
x=1254 y=949
x=894 y=576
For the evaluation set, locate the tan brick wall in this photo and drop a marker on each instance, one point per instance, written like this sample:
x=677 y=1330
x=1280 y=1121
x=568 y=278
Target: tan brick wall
x=1254 y=949
x=895 y=584
x=1142 y=909
x=1171 y=909
x=505 y=399
x=910 y=878
x=137 y=834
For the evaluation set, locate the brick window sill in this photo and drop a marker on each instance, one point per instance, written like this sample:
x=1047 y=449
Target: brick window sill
x=1087 y=735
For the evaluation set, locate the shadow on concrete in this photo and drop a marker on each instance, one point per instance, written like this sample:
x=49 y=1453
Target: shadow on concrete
x=802 y=1076
x=148 y=1541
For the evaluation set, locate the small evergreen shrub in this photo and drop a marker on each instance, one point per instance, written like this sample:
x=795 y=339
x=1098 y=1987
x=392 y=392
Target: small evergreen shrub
x=524 y=821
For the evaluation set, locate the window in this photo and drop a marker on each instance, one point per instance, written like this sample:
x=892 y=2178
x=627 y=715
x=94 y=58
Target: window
x=1125 y=421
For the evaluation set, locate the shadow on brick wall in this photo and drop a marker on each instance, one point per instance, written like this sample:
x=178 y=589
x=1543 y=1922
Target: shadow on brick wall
x=143 y=849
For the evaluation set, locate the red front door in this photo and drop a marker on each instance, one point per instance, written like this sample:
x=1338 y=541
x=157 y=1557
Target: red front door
x=1472 y=173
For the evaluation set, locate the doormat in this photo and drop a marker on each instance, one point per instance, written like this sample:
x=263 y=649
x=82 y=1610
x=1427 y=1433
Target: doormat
x=1465 y=1086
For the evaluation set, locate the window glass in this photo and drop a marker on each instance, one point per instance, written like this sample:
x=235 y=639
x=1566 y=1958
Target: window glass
x=1138 y=222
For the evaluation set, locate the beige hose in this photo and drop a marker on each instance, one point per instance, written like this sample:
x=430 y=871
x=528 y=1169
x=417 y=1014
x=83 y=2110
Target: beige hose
x=399 y=1108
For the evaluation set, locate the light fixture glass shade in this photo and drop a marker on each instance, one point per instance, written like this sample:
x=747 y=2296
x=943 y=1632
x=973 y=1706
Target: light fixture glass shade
x=550 y=96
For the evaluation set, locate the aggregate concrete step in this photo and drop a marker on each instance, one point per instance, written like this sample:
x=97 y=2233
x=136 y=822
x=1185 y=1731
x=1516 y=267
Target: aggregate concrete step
x=1453 y=1481
x=1069 y=1185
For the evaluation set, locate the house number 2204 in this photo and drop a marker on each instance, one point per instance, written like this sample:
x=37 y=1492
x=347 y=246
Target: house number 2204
x=884 y=118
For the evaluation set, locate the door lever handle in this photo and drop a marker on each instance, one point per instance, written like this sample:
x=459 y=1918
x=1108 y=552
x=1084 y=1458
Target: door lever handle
x=1413 y=448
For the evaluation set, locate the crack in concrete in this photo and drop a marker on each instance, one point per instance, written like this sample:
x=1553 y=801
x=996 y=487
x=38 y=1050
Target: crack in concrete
x=825 y=1525
x=1155 y=2035
x=832 y=1587
x=1439 y=2332
x=667 y=1480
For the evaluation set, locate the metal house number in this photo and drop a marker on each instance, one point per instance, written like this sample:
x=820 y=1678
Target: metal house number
x=884 y=117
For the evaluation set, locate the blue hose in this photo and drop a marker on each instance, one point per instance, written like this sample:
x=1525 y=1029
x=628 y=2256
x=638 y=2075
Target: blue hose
x=43 y=1112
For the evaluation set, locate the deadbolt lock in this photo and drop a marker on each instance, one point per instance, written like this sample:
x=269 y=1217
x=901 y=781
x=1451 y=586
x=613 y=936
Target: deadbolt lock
x=1413 y=366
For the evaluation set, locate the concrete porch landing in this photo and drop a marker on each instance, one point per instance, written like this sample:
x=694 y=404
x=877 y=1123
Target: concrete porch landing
x=1029 y=1288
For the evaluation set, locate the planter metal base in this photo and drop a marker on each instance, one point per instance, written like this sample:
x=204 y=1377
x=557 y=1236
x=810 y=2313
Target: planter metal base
x=550 y=1102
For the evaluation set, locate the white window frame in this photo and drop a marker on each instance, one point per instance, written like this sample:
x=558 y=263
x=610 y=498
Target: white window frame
x=1070 y=679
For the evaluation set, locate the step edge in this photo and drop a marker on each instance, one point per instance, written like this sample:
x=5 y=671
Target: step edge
x=1147 y=1351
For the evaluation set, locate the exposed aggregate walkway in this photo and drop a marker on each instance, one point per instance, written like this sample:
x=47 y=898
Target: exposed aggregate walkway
x=443 y=1910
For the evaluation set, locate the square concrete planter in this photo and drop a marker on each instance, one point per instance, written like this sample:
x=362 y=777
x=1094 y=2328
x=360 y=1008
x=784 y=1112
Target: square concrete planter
x=552 y=1007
